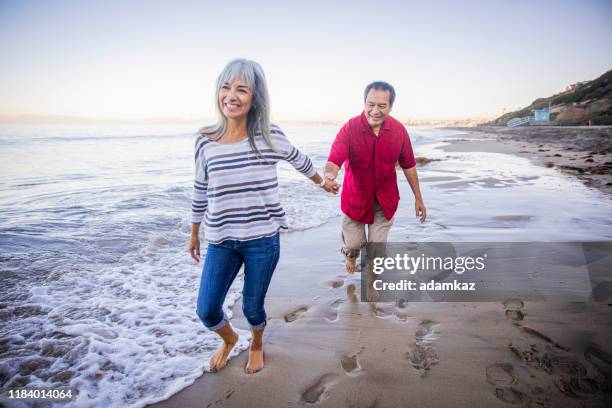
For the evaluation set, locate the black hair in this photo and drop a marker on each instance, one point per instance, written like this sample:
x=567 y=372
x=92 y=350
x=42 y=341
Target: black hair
x=382 y=86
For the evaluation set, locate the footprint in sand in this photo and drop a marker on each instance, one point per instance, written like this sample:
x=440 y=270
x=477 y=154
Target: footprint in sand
x=567 y=365
x=350 y=364
x=569 y=375
x=510 y=395
x=513 y=304
x=296 y=314
x=401 y=310
x=423 y=355
x=572 y=379
x=501 y=374
x=577 y=387
x=505 y=378
x=425 y=331
x=316 y=391
x=337 y=282
x=515 y=315
x=350 y=293
x=332 y=313
x=514 y=309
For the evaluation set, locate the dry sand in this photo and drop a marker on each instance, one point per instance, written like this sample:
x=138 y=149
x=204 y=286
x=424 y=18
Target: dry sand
x=325 y=348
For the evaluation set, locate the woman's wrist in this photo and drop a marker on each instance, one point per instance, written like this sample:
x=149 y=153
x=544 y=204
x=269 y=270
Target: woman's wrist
x=317 y=178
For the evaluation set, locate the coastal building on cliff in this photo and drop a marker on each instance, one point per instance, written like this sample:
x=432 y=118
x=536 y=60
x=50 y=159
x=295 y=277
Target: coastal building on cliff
x=540 y=117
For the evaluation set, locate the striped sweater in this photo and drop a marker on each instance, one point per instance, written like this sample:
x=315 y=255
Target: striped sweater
x=236 y=193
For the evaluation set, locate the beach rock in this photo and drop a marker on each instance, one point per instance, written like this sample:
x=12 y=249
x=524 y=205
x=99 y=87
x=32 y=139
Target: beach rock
x=420 y=160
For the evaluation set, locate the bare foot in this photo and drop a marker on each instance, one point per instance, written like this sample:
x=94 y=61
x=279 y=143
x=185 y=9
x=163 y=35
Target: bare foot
x=219 y=359
x=372 y=294
x=256 y=361
x=351 y=264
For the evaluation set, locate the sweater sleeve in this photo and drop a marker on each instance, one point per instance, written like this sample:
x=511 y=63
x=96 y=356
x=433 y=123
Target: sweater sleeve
x=199 y=202
x=292 y=154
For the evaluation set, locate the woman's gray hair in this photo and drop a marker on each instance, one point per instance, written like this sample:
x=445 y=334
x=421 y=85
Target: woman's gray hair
x=258 y=118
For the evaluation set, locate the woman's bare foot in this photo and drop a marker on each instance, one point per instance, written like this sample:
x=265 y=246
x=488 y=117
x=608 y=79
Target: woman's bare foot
x=256 y=354
x=219 y=359
x=256 y=361
x=351 y=265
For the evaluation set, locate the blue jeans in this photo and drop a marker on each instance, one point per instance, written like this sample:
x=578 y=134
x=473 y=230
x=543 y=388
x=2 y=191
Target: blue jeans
x=223 y=261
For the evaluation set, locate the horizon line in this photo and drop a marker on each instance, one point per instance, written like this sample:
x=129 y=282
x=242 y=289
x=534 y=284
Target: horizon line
x=72 y=119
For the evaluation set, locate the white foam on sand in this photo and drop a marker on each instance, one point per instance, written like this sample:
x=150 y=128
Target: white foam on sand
x=129 y=332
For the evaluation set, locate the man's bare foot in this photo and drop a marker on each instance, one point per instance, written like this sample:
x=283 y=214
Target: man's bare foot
x=372 y=294
x=351 y=265
x=219 y=359
x=256 y=361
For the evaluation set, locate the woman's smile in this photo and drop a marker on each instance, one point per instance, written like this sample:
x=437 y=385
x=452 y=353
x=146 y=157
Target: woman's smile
x=235 y=99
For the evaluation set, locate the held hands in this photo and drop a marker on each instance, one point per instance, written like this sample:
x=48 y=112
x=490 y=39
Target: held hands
x=331 y=185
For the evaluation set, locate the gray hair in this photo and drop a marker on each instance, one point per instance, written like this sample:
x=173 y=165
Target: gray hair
x=258 y=118
x=382 y=86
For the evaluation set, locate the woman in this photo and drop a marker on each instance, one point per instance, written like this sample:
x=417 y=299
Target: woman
x=236 y=194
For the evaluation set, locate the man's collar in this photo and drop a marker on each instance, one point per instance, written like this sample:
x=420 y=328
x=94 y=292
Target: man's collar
x=386 y=124
x=364 y=122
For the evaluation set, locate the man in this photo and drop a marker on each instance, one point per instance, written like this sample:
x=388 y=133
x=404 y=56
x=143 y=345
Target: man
x=371 y=144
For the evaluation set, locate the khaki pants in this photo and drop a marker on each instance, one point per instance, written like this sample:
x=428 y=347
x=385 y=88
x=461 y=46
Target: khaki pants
x=354 y=234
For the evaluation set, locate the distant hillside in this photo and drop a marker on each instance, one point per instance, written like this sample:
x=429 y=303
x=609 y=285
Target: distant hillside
x=576 y=105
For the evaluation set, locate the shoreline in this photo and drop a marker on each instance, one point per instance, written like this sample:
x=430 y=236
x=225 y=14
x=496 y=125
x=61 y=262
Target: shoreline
x=583 y=152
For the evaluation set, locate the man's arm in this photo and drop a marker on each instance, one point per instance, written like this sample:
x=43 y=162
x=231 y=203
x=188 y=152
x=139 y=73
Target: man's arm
x=407 y=162
x=413 y=180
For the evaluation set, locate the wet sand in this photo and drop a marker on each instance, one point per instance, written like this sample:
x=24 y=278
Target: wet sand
x=585 y=152
x=325 y=348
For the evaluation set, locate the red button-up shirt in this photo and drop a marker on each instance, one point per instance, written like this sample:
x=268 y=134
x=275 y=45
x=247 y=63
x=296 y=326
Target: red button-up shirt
x=370 y=166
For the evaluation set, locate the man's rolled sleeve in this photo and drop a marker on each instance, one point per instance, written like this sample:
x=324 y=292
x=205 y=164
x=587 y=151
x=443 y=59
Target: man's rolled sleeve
x=406 y=159
x=340 y=148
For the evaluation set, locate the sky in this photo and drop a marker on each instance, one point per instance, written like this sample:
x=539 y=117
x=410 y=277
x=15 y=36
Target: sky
x=151 y=59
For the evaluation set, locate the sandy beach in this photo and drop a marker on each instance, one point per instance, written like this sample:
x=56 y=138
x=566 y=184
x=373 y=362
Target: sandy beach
x=114 y=317
x=326 y=348
x=582 y=151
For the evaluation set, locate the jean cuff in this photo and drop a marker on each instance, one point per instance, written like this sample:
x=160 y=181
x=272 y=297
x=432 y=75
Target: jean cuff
x=258 y=327
x=219 y=325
